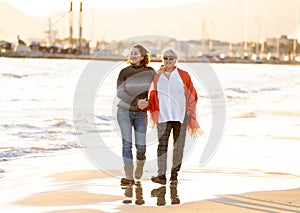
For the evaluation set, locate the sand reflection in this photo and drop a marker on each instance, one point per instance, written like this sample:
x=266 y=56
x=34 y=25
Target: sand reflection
x=134 y=194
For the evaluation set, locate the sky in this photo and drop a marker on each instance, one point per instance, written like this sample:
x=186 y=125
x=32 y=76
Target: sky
x=46 y=7
x=223 y=20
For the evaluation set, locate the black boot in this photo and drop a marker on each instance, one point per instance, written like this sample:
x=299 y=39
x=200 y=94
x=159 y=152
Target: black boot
x=161 y=179
x=173 y=178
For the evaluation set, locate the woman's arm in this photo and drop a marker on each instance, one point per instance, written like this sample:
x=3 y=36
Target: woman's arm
x=121 y=91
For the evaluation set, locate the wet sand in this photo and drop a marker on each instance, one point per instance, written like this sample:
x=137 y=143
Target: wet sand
x=94 y=191
x=252 y=184
x=249 y=174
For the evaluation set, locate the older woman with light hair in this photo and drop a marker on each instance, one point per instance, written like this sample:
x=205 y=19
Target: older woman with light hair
x=172 y=106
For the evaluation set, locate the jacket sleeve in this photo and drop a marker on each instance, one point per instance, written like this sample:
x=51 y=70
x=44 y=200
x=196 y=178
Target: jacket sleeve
x=121 y=91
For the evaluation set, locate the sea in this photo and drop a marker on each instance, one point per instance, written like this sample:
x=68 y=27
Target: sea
x=261 y=102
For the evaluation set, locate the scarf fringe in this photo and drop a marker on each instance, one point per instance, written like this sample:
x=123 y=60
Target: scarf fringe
x=194 y=128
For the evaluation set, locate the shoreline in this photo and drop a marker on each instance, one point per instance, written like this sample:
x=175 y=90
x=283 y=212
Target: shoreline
x=39 y=55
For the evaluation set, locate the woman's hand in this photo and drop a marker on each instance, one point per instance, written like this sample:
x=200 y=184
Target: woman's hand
x=162 y=68
x=142 y=104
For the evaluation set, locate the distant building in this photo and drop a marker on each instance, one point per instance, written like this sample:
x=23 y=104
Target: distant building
x=5 y=46
x=282 y=47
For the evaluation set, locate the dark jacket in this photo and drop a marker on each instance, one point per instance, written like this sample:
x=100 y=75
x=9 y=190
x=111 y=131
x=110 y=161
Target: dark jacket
x=133 y=84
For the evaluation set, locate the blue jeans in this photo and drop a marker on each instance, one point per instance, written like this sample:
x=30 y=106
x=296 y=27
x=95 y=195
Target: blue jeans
x=137 y=120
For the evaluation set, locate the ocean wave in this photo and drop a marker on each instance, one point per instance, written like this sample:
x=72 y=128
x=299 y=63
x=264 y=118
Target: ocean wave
x=10 y=153
x=26 y=126
x=19 y=126
x=56 y=130
x=12 y=75
x=30 y=100
x=237 y=90
x=248 y=91
x=20 y=76
x=271 y=89
x=62 y=123
x=238 y=93
x=203 y=96
x=104 y=117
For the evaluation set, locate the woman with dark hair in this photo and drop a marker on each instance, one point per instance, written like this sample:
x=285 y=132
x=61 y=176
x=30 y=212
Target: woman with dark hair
x=132 y=89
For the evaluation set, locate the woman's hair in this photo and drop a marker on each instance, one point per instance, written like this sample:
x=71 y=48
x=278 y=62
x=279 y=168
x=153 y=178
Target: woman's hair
x=171 y=50
x=144 y=52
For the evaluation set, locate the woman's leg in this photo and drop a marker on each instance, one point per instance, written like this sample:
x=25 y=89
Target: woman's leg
x=163 y=133
x=140 y=128
x=179 y=135
x=125 y=123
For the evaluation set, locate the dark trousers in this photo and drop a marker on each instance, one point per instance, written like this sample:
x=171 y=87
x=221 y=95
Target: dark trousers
x=179 y=134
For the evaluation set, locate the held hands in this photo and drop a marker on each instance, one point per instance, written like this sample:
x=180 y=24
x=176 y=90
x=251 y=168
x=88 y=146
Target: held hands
x=142 y=104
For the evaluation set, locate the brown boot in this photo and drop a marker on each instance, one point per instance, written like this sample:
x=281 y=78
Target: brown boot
x=139 y=168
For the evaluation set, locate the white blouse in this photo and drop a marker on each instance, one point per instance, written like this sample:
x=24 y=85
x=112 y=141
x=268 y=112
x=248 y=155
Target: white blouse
x=172 y=102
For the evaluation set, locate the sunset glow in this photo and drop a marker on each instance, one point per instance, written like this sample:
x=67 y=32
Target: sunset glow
x=225 y=20
x=45 y=8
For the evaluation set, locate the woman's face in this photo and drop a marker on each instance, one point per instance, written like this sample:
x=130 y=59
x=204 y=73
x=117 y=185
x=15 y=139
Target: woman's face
x=135 y=56
x=169 y=59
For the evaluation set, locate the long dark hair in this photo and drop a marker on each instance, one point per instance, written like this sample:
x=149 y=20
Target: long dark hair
x=144 y=53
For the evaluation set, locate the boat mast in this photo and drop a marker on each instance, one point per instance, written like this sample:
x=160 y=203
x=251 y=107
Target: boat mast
x=80 y=28
x=295 y=39
x=71 y=24
x=246 y=31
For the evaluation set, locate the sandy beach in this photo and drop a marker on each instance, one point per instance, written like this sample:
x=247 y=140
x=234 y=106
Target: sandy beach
x=69 y=71
x=73 y=197
x=77 y=186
